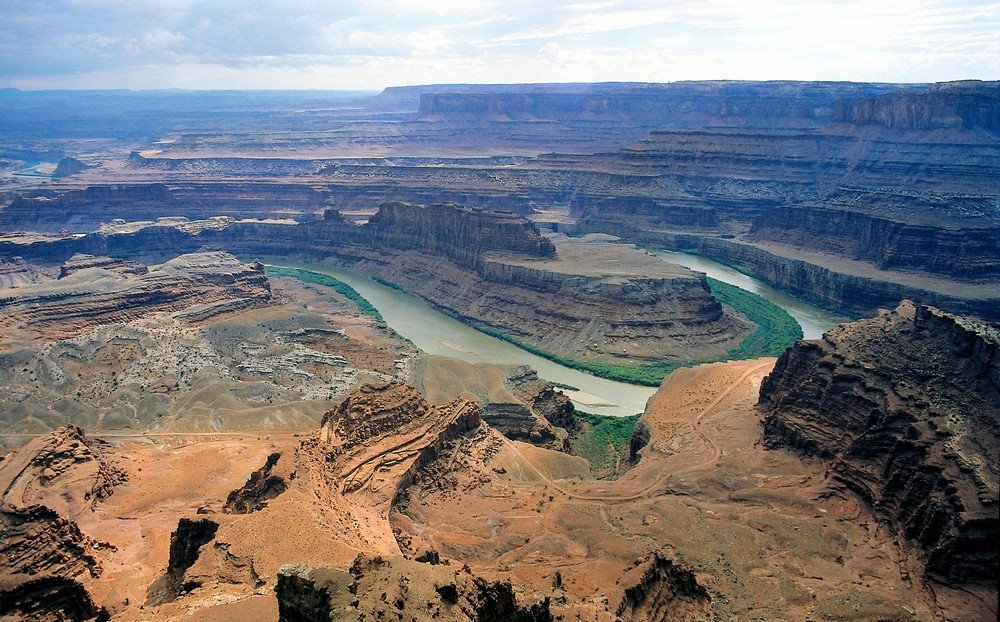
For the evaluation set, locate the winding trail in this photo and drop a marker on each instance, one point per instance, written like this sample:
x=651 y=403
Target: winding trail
x=659 y=481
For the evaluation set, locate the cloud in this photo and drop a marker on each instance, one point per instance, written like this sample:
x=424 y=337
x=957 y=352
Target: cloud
x=374 y=43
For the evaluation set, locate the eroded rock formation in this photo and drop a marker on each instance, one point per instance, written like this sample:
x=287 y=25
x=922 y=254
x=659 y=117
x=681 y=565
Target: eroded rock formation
x=659 y=589
x=515 y=401
x=376 y=588
x=906 y=407
x=112 y=292
x=263 y=485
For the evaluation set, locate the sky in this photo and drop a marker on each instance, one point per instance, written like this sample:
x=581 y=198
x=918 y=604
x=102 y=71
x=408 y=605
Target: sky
x=367 y=45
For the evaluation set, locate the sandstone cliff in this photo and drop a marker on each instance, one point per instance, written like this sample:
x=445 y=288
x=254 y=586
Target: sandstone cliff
x=371 y=447
x=964 y=105
x=906 y=407
x=45 y=560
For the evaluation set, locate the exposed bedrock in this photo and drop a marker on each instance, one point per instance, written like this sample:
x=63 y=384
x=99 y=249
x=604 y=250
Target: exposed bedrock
x=906 y=408
x=968 y=253
x=863 y=294
x=372 y=447
x=87 y=209
x=615 y=318
x=64 y=470
x=43 y=558
x=350 y=436
x=186 y=544
x=659 y=589
x=966 y=104
x=678 y=104
x=45 y=598
x=376 y=588
x=113 y=291
x=16 y=272
x=264 y=484
x=515 y=401
x=460 y=233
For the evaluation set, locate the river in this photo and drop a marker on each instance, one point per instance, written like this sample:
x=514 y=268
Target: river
x=437 y=333
x=813 y=320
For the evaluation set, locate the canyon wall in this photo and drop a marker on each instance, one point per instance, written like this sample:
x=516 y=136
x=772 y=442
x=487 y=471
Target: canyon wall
x=906 y=408
x=461 y=260
x=965 y=105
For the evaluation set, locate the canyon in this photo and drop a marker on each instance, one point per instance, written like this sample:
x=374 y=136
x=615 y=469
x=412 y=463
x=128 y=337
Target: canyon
x=201 y=418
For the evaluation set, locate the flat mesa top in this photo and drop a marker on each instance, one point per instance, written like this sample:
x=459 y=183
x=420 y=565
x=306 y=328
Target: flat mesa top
x=599 y=255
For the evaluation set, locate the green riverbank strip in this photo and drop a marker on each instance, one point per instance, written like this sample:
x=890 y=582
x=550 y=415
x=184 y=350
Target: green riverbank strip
x=776 y=329
x=342 y=288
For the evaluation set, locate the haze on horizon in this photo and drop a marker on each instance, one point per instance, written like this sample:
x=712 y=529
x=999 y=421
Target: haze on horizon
x=370 y=44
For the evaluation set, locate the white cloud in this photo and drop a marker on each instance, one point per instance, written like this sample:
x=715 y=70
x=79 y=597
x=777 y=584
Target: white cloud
x=373 y=43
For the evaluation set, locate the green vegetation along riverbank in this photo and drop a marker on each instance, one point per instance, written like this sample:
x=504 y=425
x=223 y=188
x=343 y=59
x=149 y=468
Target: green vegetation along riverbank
x=602 y=440
x=345 y=290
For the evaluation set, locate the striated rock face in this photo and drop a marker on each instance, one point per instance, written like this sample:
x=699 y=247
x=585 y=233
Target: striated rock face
x=965 y=105
x=515 y=401
x=378 y=589
x=81 y=261
x=371 y=448
x=38 y=541
x=658 y=589
x=63 y=470
x=16 y=272
x=96 y=295
x=41 y=599
x=459 y=233
x=492 y=269
x=42 y=558
x=906 y=407
x=829 y=284
x=43 y=554
x=87 y=209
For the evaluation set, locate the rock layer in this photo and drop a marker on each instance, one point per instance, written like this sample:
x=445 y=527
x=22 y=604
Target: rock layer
x=115 y=293
x=906 y=407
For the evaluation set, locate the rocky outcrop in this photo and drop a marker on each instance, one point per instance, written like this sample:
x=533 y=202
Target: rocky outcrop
x=38 y=541
x=64 y=470
x=459 y=233
x=263 y=485
x=659 y=589
x=45 y=598
x=906 y=407
x=87 y=297
x=81 y=261
x=16 y=272
x=967 y=254
x=678 y=104
x=375 y=588
x=514 y=400
x=69 y=166
x=186 y=543
x=372 y=447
